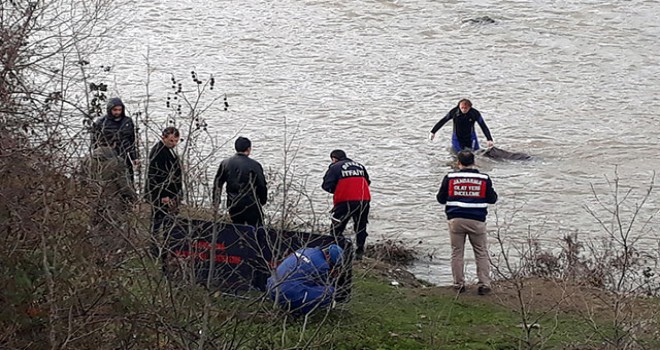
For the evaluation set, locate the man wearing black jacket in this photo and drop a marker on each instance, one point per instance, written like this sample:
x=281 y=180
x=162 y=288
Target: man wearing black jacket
x=463 y=135
x=246 y=185
x=121 y=126
x=466 y=194
x=164 y=183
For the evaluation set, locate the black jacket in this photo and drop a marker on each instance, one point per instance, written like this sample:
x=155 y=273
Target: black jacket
x=464 y=125
x=246 y=183
x=123 y=128
x=164 y=174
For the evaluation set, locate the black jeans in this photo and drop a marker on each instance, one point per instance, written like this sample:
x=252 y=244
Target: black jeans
x=130 y=172
x=359 y=212
x=250 y=215
x=160 y=214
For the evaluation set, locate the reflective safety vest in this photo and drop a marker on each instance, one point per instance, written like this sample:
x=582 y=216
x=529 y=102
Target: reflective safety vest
x=466 y=194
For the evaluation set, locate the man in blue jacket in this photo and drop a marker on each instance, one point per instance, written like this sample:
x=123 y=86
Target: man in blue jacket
x=305 y=280
x=466 y=194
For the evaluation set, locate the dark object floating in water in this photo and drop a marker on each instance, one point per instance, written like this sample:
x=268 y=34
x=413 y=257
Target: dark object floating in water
x=500 y=154
x=480 y=20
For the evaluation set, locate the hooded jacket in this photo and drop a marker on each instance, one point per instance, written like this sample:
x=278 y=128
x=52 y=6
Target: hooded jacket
x=123 y=128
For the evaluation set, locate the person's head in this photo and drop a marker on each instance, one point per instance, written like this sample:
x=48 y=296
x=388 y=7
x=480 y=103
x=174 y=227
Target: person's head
x=170 y=137
x=243 y=145
x=115 y=108
x=464 y=105
x=334 y=253
x=337 y=155
x=465 y=158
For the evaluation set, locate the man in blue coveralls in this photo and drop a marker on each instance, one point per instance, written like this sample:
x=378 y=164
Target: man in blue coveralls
x=304 y=281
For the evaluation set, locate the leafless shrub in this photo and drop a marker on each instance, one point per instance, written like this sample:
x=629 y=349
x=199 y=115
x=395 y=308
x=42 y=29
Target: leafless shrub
x=394 y=252
x=60 y=289
x=530 y=262
x=615 y=271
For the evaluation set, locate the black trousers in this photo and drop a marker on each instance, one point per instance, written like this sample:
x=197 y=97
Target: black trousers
x=130 y=172
x=250 y=215
x=359 y=212
x=159 y=215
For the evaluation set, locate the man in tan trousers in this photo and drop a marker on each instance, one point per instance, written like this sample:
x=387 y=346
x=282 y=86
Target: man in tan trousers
x=466 y=194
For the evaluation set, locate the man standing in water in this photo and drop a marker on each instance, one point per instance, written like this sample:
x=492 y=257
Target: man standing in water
x=466 y=194
x=349 y=182
x=116 y=122
x=464 y=136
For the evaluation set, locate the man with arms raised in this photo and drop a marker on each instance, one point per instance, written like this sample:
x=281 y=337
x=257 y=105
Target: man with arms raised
x=463 y=135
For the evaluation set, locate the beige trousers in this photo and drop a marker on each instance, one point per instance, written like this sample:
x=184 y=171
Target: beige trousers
x=476 y=231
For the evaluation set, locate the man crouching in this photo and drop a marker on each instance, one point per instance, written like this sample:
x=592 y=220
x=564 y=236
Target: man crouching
x=306 y=279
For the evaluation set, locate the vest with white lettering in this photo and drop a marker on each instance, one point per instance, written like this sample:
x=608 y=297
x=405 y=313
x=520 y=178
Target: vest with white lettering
x=348 y=181
x=466 y=194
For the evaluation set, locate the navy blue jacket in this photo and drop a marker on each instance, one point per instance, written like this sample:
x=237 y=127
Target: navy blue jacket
x=466 y=194
x=302 y=281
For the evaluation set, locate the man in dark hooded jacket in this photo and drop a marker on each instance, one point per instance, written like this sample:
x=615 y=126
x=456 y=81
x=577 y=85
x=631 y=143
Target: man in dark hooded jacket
x=246 y=185
x=116 y=122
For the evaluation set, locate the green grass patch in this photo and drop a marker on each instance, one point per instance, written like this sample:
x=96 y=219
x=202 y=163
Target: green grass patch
x=381 y=316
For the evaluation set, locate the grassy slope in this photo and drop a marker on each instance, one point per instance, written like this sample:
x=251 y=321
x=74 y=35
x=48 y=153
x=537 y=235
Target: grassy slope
x=381 y=316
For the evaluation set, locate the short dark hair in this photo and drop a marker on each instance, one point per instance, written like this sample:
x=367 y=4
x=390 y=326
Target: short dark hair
x=469 y=103
x=242 y=144
x=170 y=130
x=465 y=157
x=338 y=154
